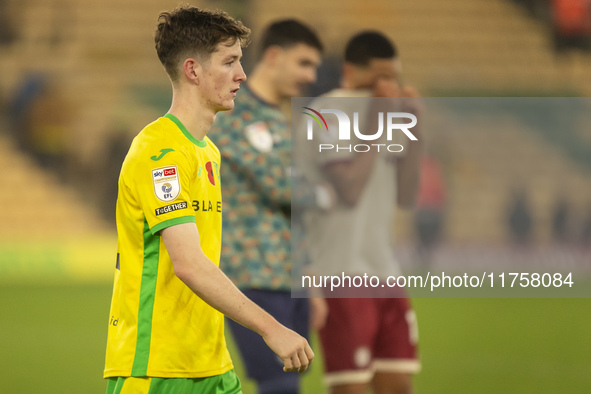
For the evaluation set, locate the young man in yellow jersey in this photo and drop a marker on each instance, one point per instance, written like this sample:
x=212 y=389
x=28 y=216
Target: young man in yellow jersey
x=169 y=296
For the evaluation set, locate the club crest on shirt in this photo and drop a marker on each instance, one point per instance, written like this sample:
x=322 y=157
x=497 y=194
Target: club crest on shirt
x=167 y=186
x=259 y=136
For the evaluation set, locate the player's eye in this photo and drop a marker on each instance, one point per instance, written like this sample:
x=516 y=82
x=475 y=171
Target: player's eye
x=230 y=63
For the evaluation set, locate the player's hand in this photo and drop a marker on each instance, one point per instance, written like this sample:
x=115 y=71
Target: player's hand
x=387 y=88
x=292 y=348
x=411 y=102
x=390 y=88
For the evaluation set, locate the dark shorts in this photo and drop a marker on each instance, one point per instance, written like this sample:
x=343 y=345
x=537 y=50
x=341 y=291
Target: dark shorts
x=261 y=363
x=367 y=335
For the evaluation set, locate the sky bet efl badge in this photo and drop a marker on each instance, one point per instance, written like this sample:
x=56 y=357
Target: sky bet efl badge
x=166 y=183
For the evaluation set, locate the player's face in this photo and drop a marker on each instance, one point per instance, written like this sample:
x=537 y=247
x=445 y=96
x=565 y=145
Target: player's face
x=222 y=76
x=366 y=77
x=297 y=67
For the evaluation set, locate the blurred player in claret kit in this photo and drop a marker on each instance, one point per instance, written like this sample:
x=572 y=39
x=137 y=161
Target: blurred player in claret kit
x=170 y=297
x=255 y=145
x=367 y=342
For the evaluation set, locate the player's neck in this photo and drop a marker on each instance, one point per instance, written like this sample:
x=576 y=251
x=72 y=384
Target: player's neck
x=262 y=86
x=192 y=112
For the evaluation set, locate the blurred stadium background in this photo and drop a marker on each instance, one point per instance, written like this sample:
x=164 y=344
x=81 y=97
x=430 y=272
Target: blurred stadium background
x=78 y=79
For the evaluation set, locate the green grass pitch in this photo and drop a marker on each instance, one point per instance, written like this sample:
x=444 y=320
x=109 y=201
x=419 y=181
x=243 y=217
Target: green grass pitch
x=52 y=340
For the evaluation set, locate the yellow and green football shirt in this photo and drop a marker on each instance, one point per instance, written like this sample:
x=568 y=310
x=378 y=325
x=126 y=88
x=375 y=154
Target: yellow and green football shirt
x=157 y=326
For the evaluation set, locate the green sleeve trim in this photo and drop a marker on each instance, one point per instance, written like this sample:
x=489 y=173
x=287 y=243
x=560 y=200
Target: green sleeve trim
x=171 y=222
x=199 y=143
x=146 y=302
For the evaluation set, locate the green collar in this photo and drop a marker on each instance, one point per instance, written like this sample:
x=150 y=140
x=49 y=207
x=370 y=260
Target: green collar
x=199 y=143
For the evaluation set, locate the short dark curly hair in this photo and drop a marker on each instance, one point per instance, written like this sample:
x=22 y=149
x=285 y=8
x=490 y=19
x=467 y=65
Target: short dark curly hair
x=289 y=32
x=189 y=31
x=369 y=45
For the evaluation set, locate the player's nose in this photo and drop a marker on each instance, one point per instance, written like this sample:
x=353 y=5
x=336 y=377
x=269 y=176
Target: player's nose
x=241 y=75
x=311 y=76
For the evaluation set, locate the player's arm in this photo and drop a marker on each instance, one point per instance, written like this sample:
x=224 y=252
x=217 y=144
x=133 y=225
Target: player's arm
x=408 y=167
x=349 y=177
x=206 y=280
x=407 y=175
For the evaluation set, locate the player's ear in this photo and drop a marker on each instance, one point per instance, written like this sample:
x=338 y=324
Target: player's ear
x=347 y=74
x=272 y=54
x=347 y=70
x=192 y=70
